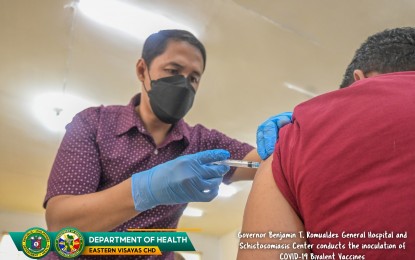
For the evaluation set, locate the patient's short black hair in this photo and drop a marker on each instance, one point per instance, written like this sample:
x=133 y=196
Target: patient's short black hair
x=388 y=51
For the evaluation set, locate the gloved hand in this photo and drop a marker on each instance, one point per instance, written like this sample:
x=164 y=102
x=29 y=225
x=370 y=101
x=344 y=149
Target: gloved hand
x=185 y=179
x=267 y=133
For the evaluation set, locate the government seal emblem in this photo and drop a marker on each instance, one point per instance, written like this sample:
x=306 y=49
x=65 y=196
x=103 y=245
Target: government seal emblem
x=36 y=243
x=69 y=242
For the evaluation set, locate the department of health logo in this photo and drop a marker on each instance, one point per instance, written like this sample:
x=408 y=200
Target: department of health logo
x=36 y=243
x=69 y=243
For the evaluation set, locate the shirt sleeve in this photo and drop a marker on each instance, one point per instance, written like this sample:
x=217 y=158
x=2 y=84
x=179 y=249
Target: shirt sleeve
x=281 y=164
x=76 y=169
x=213 y=139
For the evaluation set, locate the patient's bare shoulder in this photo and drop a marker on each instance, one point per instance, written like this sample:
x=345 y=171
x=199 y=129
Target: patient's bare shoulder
x=268 y=212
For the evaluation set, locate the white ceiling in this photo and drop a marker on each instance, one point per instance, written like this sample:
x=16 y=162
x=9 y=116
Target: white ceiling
x=253 y=48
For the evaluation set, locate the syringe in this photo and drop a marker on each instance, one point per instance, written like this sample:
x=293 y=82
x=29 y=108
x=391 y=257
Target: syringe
x=238 y=163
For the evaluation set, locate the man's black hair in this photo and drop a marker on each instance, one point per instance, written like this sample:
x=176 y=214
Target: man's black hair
x=388 y=51
x=156 y=44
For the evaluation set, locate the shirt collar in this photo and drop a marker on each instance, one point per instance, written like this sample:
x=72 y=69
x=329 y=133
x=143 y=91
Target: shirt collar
x=179 y=131
x=129 y=119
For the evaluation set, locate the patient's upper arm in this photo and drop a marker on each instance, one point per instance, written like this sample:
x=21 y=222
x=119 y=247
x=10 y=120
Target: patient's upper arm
x=268 y=211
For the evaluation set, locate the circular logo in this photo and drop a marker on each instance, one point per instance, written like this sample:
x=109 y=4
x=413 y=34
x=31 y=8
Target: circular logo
x=36 y=243
x=69 y=243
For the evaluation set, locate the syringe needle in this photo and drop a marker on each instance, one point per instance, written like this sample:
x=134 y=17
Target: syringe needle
x=238 y=163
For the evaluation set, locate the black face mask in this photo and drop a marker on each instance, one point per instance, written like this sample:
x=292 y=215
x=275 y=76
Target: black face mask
x=171 y=98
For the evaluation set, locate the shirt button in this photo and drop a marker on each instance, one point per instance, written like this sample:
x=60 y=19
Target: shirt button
x=156 y=151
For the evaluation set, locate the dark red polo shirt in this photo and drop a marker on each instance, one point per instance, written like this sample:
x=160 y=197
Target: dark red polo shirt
x=347 y=164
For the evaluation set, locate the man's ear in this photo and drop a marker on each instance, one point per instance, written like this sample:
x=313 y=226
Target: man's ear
x=140 y=67
x=358 y=75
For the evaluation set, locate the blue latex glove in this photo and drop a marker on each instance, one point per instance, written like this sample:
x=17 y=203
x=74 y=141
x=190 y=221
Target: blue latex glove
x=185 y=179
x=267 y=133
